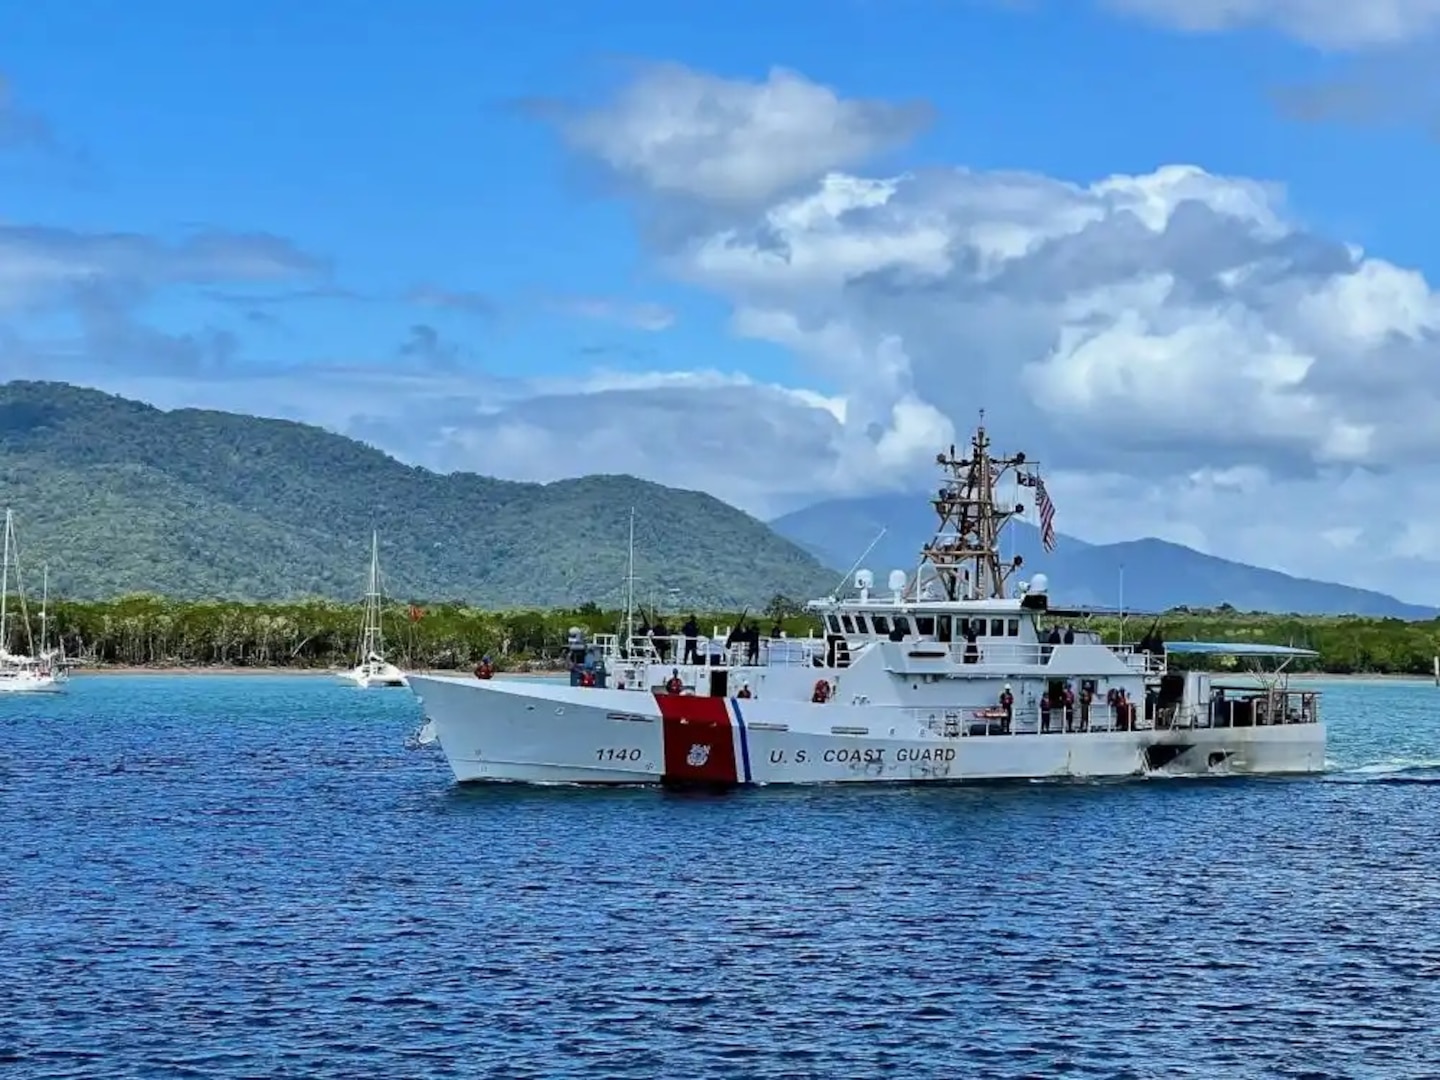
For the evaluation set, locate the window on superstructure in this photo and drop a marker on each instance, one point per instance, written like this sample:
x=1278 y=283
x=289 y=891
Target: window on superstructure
x=997 y=627
x=902 y=624
x=1012 y=628
x=942 y=628
x=848 y=623
x=861 y=624
x=833 y=623
x=925 y=625
x=882 y=624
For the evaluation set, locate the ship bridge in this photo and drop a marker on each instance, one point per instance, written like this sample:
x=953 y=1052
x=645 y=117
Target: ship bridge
x=1006 y=633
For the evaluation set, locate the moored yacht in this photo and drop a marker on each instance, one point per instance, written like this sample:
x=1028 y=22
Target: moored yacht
x=23 y=673
x=941 y=676
x=371 y=668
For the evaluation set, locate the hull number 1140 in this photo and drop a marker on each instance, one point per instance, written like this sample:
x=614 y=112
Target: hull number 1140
x=610 y=753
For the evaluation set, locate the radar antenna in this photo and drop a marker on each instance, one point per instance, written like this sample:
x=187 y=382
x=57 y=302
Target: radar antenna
x=965 y=551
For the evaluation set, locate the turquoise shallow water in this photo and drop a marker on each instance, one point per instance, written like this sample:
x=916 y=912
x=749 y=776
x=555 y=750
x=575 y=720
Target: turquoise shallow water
x=251 y=877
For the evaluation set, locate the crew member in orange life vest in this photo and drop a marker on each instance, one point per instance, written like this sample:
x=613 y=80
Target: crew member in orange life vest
x=483 y=670
x=674 y=685
x=1007 y=702
x=1068 y=697
x=821 y=694
x=587 y=677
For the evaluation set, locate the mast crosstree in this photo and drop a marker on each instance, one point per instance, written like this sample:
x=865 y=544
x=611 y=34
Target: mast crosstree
x=965 y=551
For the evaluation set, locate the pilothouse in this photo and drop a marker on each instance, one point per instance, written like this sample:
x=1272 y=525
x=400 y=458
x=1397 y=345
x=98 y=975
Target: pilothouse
x=957 y=670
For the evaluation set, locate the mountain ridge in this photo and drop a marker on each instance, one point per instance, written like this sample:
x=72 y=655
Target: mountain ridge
x=1158 y=575
x=122 y=496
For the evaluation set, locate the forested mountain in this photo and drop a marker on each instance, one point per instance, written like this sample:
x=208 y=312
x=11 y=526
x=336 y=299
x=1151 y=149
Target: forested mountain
x=119 y=497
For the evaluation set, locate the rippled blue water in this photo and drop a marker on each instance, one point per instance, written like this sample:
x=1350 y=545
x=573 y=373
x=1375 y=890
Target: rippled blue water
x=250 y=877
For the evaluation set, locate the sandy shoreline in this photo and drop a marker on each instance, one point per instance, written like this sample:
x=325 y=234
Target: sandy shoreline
x=334 y=673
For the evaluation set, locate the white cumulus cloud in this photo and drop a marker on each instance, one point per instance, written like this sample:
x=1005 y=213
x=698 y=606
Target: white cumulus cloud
x=1187 y=359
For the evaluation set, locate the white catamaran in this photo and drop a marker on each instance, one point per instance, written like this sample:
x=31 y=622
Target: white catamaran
x=940 y=678
x=29 y=672
x=371 y=668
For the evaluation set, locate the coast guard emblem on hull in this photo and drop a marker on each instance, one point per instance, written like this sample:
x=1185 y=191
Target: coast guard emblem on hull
x=699 y=755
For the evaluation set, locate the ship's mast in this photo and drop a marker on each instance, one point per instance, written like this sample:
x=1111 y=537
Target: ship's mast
x=966 y=549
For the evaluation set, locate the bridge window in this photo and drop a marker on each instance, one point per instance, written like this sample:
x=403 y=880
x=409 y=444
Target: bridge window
x=848 y=623
x=942 y=626
x=832 y=622
x=925 y=625
x=861 y=625
x=882 y=624
x=902 y=624
x=997 y=627
x=1012 y=628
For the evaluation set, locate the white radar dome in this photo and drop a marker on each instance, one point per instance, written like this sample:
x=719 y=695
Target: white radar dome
x=897 y=580
x=1039 y=584
x=864 y=579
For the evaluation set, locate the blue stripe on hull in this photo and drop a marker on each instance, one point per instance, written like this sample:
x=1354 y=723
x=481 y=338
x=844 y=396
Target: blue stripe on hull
x=746 y=778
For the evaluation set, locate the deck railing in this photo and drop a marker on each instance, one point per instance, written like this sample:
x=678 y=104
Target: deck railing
x=1029 y=720
x=712 y=651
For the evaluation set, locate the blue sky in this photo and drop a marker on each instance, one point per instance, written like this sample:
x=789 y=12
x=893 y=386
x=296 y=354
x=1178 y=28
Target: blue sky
x=441 y=175
x=391 y=143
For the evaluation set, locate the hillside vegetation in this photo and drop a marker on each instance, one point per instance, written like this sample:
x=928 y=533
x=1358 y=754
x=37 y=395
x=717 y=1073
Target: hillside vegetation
x=119 y=497
x=143 y=630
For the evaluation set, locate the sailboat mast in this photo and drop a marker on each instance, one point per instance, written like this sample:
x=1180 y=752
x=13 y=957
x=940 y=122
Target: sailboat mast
x=630 y=584
x=44 y=607
x=373 y=642
x=5 y=587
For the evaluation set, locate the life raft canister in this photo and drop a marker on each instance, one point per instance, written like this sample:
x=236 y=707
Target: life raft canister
x=822 y=692
x=674 y=686
x=483 y=670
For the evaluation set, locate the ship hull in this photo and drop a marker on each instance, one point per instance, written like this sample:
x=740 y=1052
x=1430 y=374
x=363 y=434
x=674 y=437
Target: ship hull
x=504 y=730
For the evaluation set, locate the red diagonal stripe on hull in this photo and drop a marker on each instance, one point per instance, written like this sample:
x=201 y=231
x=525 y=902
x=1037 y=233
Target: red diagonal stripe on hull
x=699 y=741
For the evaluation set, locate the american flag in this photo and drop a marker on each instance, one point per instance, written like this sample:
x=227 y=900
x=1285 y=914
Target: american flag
x=1046 y=508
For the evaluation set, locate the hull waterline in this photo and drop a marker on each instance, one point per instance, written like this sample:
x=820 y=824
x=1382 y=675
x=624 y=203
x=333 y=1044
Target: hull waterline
x=499 y=731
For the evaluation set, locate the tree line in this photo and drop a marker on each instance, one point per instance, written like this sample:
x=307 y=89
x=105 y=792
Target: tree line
x=152 y=631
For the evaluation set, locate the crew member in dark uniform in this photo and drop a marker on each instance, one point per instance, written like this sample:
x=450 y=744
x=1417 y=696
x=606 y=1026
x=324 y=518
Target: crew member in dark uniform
x=692 y=632
x=752 y=645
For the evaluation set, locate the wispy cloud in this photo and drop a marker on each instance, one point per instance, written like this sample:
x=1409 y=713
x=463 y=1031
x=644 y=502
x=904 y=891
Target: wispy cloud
x=461 y=300
x=637 y=316
x=1402 y=89
x=288 y=296
x=19 y=127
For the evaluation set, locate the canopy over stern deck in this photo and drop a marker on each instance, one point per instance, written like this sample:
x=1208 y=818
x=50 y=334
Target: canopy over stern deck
x=1238 y=648
x=1282 y=655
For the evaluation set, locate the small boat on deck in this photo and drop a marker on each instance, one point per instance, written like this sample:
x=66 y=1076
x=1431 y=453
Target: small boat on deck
x=945 y=676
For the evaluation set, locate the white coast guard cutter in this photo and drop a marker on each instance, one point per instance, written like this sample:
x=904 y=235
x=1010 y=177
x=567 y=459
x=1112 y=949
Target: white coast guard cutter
x=945 y=678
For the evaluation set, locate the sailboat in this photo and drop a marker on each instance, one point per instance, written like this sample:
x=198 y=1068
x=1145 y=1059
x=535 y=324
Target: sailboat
x=19 y=673
x=371 y=668
x=52 y=661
